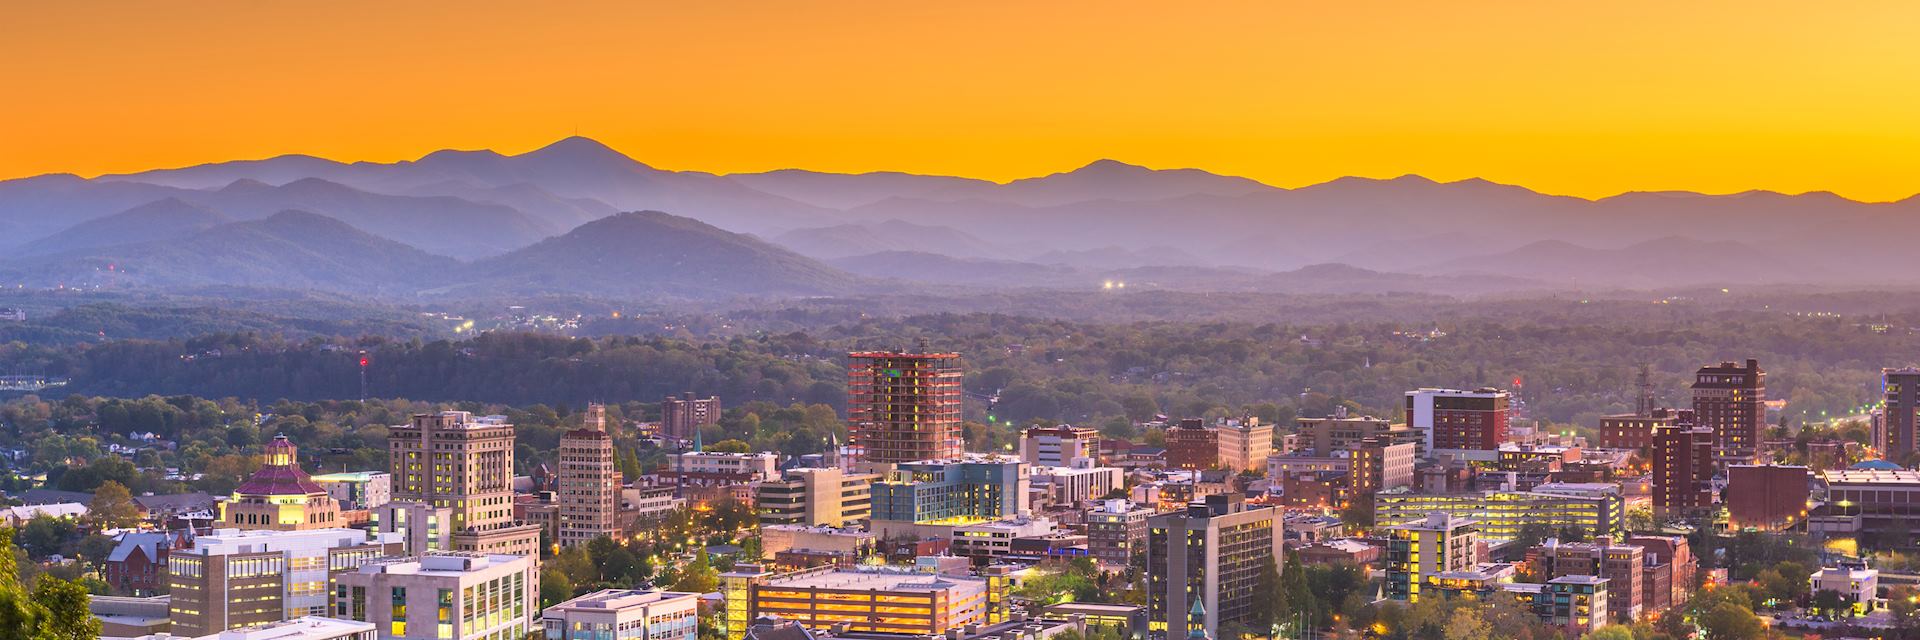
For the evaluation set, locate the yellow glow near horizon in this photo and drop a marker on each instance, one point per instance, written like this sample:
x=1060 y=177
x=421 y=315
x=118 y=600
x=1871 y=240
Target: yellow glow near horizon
x=1586 y=99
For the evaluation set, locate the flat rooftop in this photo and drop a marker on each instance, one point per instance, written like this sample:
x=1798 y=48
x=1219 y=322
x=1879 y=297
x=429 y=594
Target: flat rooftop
x=871 y=580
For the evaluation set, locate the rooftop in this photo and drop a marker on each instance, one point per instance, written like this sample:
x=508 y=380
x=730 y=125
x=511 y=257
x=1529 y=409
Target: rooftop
x=620 y=599
x=1871 y=476
x=876 y=580
x=349 y=476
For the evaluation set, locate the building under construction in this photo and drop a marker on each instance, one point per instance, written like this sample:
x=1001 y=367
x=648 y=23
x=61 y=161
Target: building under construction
x=904 y=407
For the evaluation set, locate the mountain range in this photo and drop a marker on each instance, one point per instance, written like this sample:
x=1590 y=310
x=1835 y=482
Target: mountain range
x=549 y=220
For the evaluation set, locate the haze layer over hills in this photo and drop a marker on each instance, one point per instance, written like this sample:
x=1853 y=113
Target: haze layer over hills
x=467 y=222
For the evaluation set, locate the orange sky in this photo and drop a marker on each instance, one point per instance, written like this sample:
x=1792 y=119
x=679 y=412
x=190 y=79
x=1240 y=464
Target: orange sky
x=1583 y=98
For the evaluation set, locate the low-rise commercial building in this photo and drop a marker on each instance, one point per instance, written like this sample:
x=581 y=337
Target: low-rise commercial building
x=624 y=614
x=451 y=596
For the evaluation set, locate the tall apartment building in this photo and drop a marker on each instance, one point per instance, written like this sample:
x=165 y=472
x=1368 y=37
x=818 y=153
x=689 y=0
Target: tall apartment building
x=280 y=496
x=1116 y=530
x=1730 y=399
x=457 y=461
x=245 y=578
x=904 y=407
x=958 y=491
x=1901 y=389
x=1191 y=445
x=1244 y=444
x=1059 y=446
x=816 y=497
x=625 y=614
x=1623 y=565
x=1420 y=549
x=682 y=417
x=588 y=498
x=1767 y=497
x=1579 y=604
x=1451 y=419
x=1379 y=464
x=1682 y=468
x=1212 y=553
x=458 y=596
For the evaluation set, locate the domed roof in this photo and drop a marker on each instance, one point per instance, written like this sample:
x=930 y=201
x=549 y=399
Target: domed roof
x=281 y=475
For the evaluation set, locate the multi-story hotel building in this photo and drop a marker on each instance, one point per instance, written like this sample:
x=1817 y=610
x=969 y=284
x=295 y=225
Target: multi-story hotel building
x=682 y=417
x=816 y=497
x=588 y=495
x=1730 y=399
x=456 y=596
x=1244 y=444
x=1059 y=446
x=455 y=460
x=280 y=496
x=1595 y=510
x=1116 y=530
x=1210 y=554
x=1419 y=549
x=1682 y=468
x=624 y=614
x=904 y=407
x=1456 y=420
x=243 y=578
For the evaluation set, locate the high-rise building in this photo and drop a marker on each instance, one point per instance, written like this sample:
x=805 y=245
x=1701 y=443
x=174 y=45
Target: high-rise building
x=816 y=497
x=280 y=496
x=683 y=416
x=1767 y=497
x=451 y=596
x=904 y=407
x=358 y=490
x=1422 y=548
x=1340 y=432
x=1730 y=399
x=1116 y=530
x=1244 y=444
x=457 y=461
x=960 y=491
x=236 y=578
x=1452 y=419
x=1191 y=445
x=1379 y=464
x=1211 y=553
x=1901 y=388
x=588 y=498
x=630 y=614
x=1682 y=468
x=1059 y=446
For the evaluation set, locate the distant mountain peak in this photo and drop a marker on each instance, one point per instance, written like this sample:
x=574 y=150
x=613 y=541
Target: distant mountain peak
x=580 y=147
x=1109 y=165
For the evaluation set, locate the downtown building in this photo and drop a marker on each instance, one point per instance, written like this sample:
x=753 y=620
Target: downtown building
x=1730 y=398
x=588 y=497
x=904 y=407
x=883 y=600
x=281 y=496
x=1623 y=565
x=1460 y=421
x=816 y=498
x=624 y=614
x=1059 y=446
x=454 y=460
x=236 y=578
x=1592 y=509
x=1244 y=444
x=1191 y=445
x=1767 y=497
x=1117 y=529
x=1895 y=435
x=961 y=491
x=1682 y=468
x=1636 y=431
x=682 y=417
x=1422 y=549
x=450 y=596
x=1209 y=556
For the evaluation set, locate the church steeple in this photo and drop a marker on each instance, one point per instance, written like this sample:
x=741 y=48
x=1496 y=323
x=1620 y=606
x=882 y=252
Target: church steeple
x=1197 y=622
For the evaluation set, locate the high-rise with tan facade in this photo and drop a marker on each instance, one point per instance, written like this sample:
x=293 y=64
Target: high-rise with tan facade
x=589 y=491
x=1245 y=444
x=458 y=461
x=904 y=407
